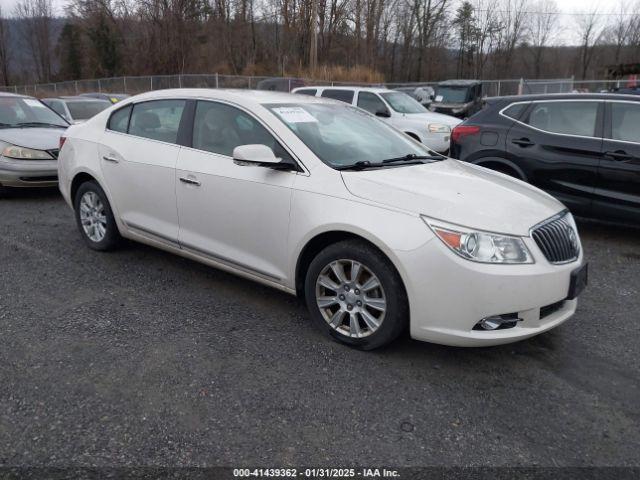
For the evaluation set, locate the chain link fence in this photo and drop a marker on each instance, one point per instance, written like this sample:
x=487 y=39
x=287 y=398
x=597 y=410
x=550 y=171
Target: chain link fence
x=135 y=85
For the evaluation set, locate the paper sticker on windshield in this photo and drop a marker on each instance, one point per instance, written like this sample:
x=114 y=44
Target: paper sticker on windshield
x=294 y=115
x=439 y=98
x=32 y=103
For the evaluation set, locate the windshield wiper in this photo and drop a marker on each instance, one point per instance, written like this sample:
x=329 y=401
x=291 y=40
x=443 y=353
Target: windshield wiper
x=38 y=124
x=412 y=157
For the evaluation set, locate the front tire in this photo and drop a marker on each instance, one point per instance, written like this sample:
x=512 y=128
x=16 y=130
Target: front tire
x=95 y=219
x=356 y=296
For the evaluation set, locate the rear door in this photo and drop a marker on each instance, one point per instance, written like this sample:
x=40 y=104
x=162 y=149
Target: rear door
x=617 y=194
x=138 y=154
x=558 y=144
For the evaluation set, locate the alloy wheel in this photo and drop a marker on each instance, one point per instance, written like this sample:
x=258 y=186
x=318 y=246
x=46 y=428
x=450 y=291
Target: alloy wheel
x=93 y=217
x=350 y=298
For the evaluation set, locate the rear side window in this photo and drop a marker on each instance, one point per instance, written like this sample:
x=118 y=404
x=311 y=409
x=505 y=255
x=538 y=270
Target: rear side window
x=515 y=110
x=157 y=120
x=625 y=122
x=308 y=91
x=569 y=118
x=371 y=103
x=342 y=95
x=119 y=120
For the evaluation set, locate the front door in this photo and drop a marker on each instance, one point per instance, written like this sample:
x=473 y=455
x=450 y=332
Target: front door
x=238 y=215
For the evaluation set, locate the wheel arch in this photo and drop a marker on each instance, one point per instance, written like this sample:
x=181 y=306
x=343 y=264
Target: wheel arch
x=321 y=240
x=501 y=164
x=78 y=179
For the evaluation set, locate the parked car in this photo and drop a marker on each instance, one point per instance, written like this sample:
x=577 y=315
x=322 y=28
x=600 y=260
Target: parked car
x=321 y=199
x=280 y=84
x=76 y=109
x=29 y=141
x=460 y=98
x=112 y=97
x=397 y=108
x=584 y=149
x=423 y=94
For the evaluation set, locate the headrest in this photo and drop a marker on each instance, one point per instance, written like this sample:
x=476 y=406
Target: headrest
x=147 y=121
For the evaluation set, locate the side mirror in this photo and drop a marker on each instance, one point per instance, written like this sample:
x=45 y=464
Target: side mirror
x=383 y=113
x=258 y=155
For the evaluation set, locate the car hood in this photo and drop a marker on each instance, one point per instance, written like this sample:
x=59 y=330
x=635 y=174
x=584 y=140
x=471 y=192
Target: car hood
x=38 y=138
x=433 y=117
x=457 y=192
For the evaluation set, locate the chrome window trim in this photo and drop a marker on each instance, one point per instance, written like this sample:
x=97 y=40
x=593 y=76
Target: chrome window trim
x=595 y=100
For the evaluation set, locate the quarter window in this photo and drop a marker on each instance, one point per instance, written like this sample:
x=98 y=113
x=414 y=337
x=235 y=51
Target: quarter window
x=119 y=120
x=515 y=110
x=371 y=103
x=625 y=122
x=342 y=95
x=219 y=128
x=157 y=120
x=569 y=118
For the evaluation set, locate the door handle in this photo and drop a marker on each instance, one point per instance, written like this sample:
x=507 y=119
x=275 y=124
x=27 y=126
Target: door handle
x=523 y=142
x=190 y=181
x=619 y=155
x=109 y=158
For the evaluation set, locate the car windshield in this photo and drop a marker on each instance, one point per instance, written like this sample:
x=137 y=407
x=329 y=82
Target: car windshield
x=342 y=135
x=403 y=103
x=21 y=111
x=452 y=94
x=83 y=110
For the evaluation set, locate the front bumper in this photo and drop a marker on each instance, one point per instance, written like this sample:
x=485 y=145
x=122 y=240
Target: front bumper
x=28 y=173
x=449 y=295
x=438 y=142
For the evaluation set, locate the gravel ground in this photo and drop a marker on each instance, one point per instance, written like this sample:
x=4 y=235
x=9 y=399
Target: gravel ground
x=140 y=357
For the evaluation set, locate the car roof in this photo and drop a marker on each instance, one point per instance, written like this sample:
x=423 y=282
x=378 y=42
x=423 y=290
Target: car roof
x=239 y=96
x=563 y=96
x=346 y=87
x=71 y=98
x=15 y=95
x=459 y=83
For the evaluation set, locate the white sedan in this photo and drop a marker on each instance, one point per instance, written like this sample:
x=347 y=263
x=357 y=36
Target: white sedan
x=323 y=200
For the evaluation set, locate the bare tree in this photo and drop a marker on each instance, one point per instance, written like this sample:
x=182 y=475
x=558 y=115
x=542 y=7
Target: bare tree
x=541 y=30
x=4 y=49
x=35 y=18
x=589 y=30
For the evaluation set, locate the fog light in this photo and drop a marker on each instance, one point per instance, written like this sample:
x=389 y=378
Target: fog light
x=490 y=323
x=507 y=320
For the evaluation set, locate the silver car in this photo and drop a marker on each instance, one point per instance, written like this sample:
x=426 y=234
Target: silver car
x=76 y=109
x=29 y=142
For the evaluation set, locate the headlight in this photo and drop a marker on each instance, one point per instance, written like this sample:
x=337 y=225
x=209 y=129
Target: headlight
x=23 y=153
x=479 y=246
x=438 y=128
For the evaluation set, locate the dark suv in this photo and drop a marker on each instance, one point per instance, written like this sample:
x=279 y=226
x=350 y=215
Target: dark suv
x=584 y=149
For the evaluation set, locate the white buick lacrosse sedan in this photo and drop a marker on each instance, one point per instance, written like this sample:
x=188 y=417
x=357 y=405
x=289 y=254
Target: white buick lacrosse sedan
x=323 y=200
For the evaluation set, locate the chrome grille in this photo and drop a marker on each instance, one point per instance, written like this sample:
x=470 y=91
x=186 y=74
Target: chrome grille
x=557 y=239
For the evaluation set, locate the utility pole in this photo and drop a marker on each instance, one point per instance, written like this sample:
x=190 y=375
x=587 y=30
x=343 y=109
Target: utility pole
x=313 y=48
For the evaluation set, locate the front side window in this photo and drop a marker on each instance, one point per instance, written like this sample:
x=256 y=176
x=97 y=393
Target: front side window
x=345 y=96
x=157 y=120
x=341 y=135
x=568 y=118
x=371 y=103
x=24 y=112
x=625 y=122
x=119 y=121
x=219 y=128
x=403 y=103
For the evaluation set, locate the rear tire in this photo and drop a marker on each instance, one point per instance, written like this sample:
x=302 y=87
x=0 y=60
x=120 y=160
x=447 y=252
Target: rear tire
x=95 y=219
x=356 y=296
